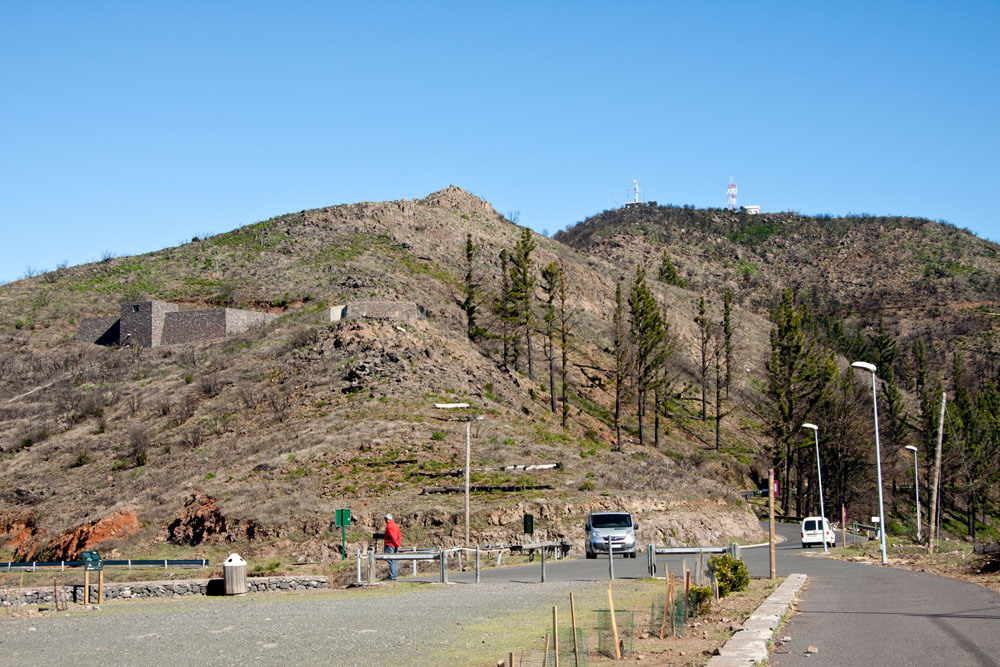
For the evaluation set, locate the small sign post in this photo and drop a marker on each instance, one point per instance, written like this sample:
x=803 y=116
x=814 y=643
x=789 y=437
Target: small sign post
x=92 y=563
x=343 y=519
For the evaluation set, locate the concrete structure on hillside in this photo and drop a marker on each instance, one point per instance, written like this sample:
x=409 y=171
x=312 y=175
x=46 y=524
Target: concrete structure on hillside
x=750 y=210
x=155 y=323
x=405 y=311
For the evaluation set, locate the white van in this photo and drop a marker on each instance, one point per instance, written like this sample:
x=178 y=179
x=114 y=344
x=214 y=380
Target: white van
x=610 y=531
x=816 y=530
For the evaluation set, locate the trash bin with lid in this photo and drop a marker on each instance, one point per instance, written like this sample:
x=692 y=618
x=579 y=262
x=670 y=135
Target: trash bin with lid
x=234 y=575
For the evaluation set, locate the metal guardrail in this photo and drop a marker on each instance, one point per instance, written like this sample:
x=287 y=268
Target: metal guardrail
x=418 y=554
x=652 y=552
x=33 y=566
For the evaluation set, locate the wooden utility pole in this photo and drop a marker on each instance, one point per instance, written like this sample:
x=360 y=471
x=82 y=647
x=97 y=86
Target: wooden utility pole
x=937 y=478
x=770 y=519
x=468 y=448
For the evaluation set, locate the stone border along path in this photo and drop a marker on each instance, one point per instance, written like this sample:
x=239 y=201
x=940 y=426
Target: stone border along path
x=136 y=590
x=749 y=646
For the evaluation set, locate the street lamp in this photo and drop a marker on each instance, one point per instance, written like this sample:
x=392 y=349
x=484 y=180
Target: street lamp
x=819 y=476
x=916 y=486
x=865 y=366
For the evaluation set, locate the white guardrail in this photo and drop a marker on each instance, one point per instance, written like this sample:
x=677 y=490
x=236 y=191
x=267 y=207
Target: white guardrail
x=558 y=549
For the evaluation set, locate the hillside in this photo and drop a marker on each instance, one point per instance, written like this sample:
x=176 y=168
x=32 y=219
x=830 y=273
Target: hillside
x=919 y=278
x=257 y=439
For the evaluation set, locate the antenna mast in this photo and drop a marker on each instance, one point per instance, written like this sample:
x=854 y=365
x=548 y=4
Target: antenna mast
x=731 y=195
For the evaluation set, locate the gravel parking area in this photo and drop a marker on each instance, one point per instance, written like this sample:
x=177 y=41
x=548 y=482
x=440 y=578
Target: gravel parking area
x=401 y=624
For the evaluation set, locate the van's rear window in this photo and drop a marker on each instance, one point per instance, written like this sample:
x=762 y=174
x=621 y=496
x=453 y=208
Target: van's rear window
x=611 y=521
x=812 y=525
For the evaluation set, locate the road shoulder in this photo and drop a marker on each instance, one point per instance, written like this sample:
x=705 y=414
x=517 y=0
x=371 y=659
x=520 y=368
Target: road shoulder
x=750 y=646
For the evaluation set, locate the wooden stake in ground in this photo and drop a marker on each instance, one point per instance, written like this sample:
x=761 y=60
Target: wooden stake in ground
x=687 y=595
x=843 y=525
x=576 y=645
x=86 y=587
x=666 y=602
x=937 y=478
x=671 y=596
x=55 y=593
x=770 y=520
x=614 y=623
x=545 y=655
x=555 y=636
x=100 y=587
x=510 y=659
x=17 y=608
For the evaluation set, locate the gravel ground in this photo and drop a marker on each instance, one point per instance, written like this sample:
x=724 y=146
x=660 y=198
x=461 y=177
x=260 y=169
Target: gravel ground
x=401 y=624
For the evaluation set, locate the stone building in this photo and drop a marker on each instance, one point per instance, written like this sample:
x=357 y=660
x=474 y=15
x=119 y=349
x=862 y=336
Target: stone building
x=155 y=323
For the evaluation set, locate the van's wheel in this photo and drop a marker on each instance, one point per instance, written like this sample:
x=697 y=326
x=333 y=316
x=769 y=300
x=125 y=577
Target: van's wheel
x=590 y=555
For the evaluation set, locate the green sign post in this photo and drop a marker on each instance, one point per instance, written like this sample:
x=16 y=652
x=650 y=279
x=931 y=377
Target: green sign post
x=529 y=524
x=343 y=519
x=92 y=563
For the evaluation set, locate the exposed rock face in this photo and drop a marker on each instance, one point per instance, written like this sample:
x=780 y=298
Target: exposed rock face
x=456 y=198
x=29 y=541
x=202 y=521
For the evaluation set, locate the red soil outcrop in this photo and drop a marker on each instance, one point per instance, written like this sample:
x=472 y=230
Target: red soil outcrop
x=29 y=542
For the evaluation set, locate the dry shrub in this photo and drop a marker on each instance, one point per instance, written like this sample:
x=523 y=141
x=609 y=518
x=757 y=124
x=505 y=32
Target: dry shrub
x=302 y=337
x=139 y=441
x=194 y=436
x=209 y=385
x=249 y=396
x=31 y=435
x=183 y=410
x=280 y=404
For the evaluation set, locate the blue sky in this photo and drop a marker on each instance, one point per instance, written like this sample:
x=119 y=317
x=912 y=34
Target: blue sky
x=128 y=127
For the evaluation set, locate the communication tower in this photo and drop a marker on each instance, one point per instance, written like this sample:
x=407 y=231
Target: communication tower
x=635 y=201
x=731 y=195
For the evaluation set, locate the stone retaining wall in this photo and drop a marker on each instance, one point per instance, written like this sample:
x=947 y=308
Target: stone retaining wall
x=141 y=590
x=99 y=330
x=405 y=311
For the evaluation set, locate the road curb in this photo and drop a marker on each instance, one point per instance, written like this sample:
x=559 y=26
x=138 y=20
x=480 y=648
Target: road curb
x=749 y=646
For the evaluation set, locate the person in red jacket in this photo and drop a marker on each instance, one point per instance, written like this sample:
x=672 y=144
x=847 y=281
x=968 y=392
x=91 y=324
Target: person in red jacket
x=393 y=540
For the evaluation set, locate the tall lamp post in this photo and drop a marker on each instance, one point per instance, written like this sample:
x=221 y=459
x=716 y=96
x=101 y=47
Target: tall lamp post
x=865 y=366
x=819 y=476
x=916 y=486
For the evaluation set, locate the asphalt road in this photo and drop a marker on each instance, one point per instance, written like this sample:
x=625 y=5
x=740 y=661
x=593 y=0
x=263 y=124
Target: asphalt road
x=862 y=614
x=853 y=613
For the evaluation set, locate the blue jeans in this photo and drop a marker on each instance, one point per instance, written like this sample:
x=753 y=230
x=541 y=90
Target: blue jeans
x=393 y=564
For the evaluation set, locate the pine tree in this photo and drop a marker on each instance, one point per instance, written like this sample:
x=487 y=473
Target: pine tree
x=798 y=377
x=622 y=349
x=704 y=335
x=506 y=313
x=522 y=285
x=668 y=272
x=665 y=378
x=551 y=278
x=470 y=289
x=648 y=337
x=727 y=336
x=565 y=319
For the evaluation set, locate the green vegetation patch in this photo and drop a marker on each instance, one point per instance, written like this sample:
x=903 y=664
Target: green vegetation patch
x=755 y=234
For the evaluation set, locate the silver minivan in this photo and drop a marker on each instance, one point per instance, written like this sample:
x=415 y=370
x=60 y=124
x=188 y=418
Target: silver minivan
x=610 y=528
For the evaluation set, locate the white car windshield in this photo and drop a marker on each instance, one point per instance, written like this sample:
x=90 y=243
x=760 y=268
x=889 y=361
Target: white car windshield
x=611 y=521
